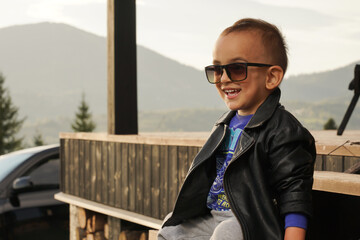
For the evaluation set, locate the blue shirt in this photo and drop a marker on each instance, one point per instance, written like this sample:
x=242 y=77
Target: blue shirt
x=216 y=198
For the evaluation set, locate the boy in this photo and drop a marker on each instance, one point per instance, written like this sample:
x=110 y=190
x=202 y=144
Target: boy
x=253 y=177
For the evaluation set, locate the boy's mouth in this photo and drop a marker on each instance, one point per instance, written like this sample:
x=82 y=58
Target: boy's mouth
x=231 y=92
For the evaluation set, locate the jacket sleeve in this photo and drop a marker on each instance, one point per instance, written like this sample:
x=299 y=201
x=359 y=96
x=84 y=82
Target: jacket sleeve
x=292 y=155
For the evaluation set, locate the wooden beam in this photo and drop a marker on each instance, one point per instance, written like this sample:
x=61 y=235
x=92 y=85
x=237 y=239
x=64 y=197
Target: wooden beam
x=122 y=86
x=343 y=183
x=110 y=211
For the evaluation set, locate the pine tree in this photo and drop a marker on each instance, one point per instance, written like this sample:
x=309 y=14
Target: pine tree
x=38 y=139
x=330 y=124
x=83 y=121
x=10 y=125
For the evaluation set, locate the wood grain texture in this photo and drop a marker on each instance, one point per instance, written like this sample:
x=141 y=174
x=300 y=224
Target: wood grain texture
x=155 y=181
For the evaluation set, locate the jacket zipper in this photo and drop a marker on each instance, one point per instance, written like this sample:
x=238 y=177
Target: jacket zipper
x=195 y=166
x=228 y=195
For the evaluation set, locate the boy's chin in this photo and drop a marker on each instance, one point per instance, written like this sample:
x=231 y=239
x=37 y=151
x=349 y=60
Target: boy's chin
x=232 y=107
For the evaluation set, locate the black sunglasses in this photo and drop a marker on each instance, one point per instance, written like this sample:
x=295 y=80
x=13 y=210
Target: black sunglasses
x=235 y=71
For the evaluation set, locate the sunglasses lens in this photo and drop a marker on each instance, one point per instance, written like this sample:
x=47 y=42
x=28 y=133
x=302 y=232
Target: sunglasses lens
x=237 y=71
x=213 y=73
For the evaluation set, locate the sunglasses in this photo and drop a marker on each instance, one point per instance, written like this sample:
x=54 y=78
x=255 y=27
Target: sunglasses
x=235 y=71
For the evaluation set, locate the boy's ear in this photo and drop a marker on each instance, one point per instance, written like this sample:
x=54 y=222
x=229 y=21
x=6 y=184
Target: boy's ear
x=274 y=77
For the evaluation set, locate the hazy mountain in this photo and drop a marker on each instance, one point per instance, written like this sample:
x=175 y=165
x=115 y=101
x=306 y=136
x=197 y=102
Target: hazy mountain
x=319 y=86
x=49 y=65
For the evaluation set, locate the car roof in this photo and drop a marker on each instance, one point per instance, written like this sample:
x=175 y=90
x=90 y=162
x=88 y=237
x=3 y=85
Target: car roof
x=32 y=150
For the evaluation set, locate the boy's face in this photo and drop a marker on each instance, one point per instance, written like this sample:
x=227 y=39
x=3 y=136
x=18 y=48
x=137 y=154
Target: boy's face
x=245 y=46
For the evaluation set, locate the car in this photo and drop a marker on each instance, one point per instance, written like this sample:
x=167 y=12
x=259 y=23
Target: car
x=29 y=179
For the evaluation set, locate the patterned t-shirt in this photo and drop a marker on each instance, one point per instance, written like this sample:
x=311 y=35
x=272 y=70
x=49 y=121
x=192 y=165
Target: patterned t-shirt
x=216 y=199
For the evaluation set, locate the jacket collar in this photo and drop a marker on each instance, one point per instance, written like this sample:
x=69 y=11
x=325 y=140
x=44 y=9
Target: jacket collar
x=262 y=114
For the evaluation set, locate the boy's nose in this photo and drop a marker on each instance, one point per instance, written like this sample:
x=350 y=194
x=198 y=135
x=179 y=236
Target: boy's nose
x=224 y=77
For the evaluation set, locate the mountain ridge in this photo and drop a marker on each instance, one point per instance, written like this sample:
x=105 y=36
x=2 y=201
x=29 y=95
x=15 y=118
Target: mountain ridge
x=49 y=65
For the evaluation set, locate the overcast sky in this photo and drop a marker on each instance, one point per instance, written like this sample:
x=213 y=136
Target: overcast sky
x=321 y=34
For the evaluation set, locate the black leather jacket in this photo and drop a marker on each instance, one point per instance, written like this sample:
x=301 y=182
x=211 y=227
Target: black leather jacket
x=270 y=174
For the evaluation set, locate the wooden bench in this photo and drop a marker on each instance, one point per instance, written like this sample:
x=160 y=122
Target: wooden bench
x=336 y=207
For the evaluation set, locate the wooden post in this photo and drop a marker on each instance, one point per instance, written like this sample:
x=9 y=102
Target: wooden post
x=122 y=87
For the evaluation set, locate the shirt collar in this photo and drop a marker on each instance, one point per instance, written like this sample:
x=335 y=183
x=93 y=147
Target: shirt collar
x=262 y=114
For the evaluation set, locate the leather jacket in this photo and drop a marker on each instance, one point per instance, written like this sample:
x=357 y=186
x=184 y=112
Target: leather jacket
x=270 y=174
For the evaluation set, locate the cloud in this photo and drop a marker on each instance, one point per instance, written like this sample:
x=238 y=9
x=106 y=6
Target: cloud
x=44 y=10
x=331 y=7
x=54 y=9
x=141 y=2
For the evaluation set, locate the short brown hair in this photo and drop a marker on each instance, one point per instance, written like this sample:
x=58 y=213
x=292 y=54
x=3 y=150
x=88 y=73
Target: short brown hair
x=272 y=38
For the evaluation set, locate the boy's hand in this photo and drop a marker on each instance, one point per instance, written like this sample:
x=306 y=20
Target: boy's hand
x=294 y=233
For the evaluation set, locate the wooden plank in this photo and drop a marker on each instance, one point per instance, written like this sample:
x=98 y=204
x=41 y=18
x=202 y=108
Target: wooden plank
x=173 y=176
x=110 y=211
x=111 y=66
x=147 y=179
x=81 y=169
x=114 y=227
x=318 y=166
x=93 y=171
x=112 y=169
x=76 y=165
x=132 y=177
x=99 y=185
x=334 y=163
x=104 y=173
x=124 y=176
x=87 y=174
x=164 y=180
x=153 y=234
x=155 y=181
x=71 y=166
x=350 y=161
x=335 y=182
x=183 y=159
x=174 y=139
x=65 y=165
x=61 y=154
x=139 y=173
x=118 y=186
x=327 y=142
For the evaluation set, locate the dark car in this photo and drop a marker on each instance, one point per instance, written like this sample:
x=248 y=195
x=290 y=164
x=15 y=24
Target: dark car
x=28 y=181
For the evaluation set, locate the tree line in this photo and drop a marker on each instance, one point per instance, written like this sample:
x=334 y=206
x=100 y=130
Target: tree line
x=11 y=123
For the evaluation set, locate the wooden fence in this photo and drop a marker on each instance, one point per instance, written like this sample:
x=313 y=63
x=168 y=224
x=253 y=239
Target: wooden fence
x=142 y=178
x=142 y=174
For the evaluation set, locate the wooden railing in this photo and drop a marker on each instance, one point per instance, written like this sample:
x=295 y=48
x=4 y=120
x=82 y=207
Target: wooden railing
x=137 y=178
x=138 y=174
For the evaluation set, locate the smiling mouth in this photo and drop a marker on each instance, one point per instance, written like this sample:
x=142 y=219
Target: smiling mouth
x=231 y=92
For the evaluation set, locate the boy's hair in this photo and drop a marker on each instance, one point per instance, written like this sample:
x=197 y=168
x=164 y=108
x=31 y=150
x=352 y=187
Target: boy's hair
x=272 y=38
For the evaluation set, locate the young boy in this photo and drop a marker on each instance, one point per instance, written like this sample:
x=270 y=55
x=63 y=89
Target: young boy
x=253 y=177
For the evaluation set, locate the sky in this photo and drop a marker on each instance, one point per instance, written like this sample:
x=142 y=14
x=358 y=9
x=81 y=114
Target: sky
x=321 y=34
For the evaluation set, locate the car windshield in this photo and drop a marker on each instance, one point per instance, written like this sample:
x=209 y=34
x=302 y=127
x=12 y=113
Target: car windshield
x=9 y=162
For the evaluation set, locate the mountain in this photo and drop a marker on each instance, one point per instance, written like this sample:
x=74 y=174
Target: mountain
x=49 y=65
x=320 y=86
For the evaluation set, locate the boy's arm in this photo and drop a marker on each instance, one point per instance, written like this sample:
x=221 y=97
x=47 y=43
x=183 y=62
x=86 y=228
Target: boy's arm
x=291 y=157
x=295 y=233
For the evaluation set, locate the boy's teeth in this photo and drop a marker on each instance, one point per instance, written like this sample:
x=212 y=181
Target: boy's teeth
x=231 y=91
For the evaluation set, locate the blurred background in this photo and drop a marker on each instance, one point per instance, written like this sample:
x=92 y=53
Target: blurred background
x=53 y=61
